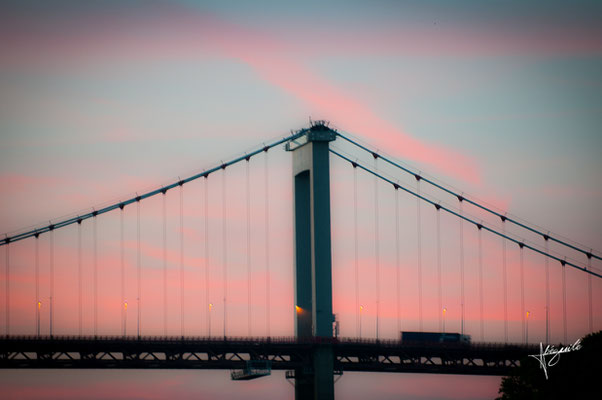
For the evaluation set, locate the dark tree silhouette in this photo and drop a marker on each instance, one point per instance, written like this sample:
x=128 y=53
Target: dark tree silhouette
x=577 y=375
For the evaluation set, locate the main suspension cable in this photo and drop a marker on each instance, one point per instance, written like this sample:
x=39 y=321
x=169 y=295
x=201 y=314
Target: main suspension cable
x=70 y=221
x=474 y=203
x=502 y=235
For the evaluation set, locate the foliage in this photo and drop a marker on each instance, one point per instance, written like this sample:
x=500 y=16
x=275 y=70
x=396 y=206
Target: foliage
x=577 y=375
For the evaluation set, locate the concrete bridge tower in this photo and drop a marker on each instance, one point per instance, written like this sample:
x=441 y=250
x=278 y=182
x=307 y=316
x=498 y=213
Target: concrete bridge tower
x=313 y=259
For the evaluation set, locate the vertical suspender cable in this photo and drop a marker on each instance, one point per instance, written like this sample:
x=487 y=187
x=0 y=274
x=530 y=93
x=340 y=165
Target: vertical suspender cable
x=79 y=278
x=419 y=241
x=439 y=289
x=182 y=260
x=522 y=290
x=357 y=287
x=397 y=261
x=589 y=294
x=51 y=299
x=139 y=269
x=224 y=248
x=267 y=245
x=164 y=263
x=564 y=302
x=547 y=267
x=376 y=248
x=95 y=231
x=122 y=267
x=505 y=282
x=38 y=303
x=7 y=289
x=462 y=267
x=249 y=308
x=481 y=305
x=208 y=316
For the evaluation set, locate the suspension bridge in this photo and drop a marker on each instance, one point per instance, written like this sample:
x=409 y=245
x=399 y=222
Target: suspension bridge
x=409 y=274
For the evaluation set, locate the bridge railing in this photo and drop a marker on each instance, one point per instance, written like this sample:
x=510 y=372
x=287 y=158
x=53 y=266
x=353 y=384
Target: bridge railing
x=386 y=343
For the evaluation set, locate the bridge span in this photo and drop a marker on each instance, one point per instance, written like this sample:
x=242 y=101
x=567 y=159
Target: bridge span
x=284 y=353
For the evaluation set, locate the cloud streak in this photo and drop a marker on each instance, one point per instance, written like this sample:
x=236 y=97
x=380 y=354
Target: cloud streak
x=197 y=35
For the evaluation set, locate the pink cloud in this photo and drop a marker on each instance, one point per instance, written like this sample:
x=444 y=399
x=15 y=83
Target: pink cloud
x=20 y=182
x=271 y=59
x=351 y=114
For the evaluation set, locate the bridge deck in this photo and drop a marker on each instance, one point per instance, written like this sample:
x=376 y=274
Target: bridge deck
x=232 y=353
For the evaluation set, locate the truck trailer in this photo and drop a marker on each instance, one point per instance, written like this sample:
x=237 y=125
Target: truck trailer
x=434 y=337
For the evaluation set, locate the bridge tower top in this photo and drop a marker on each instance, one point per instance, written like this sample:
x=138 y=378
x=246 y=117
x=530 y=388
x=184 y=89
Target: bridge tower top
x=319 y=131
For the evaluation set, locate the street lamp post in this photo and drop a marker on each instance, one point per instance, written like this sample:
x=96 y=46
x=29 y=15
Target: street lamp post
x=138 y=320
x=462 y=317
x=361 y=310
x=38 y=312
x=210 y=307
x=527 y=333
x=444 y=311
x=50 y=319
x=547 y=325
x=125 y=318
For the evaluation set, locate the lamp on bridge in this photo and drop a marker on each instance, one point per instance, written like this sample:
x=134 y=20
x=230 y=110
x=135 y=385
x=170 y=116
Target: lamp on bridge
x=39 y=307
x=444 y=311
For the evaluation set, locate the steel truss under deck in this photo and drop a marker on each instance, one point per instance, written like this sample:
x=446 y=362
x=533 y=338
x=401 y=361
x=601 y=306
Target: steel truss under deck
x=233 y=353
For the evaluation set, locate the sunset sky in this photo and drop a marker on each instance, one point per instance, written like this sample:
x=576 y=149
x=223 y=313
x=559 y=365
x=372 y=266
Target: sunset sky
x=501 y=101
